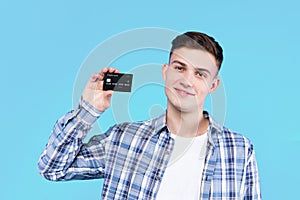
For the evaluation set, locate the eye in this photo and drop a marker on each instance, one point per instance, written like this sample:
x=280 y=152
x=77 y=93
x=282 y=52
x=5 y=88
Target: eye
x=201 y=74
x=179 y=68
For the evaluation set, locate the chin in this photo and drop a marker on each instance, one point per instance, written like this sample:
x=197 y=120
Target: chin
x=181 y=108
x=182 y=105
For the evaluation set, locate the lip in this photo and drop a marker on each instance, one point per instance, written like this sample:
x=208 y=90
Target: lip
x=183 y=92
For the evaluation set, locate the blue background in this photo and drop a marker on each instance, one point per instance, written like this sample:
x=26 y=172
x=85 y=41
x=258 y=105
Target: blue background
x=44 y=43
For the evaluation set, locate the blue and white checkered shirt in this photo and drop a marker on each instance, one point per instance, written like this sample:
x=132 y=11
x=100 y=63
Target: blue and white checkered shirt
x=132 y=158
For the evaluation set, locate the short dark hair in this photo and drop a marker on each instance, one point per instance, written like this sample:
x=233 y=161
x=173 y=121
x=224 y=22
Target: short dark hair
x=197 y=40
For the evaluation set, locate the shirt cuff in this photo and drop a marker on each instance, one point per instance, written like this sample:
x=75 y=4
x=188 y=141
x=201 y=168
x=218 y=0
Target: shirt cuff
x=88 y=113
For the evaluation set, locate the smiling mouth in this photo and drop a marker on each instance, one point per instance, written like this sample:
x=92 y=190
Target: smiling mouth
x=183 y=92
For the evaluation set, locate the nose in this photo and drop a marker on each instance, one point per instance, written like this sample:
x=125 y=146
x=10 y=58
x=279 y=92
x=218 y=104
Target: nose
x=188 y=79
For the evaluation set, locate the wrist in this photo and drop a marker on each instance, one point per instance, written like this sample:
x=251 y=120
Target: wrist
x=87 y=112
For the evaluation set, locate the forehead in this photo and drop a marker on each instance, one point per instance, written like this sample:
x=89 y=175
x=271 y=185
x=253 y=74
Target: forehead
x=195 y=58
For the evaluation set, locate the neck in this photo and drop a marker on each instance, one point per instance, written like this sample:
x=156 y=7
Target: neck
x=186 y=124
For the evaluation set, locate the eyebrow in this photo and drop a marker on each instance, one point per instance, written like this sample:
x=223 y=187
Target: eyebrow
x=185 y=65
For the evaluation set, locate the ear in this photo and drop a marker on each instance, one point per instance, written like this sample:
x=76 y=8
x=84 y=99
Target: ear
x=164 y=70
x=215 y=85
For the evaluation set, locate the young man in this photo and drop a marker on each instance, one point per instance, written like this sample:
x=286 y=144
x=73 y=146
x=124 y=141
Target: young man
x=139 y=160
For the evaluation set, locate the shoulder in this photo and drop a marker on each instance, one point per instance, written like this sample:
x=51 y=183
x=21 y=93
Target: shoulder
x=229 y=137
x=134 y=125
x=232 y=146
x=141 y=128
x=229 y=140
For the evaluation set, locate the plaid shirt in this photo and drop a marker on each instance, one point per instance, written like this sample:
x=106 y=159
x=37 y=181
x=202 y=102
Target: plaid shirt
x=132 y=157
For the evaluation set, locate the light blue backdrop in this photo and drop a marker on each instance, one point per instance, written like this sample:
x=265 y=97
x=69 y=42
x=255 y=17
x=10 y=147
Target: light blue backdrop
x=44 y=43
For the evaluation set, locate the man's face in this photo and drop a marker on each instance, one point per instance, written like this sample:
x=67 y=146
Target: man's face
x=189 y=77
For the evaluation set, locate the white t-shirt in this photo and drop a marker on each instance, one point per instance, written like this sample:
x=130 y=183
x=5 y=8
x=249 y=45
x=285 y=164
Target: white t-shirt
x=183 y=174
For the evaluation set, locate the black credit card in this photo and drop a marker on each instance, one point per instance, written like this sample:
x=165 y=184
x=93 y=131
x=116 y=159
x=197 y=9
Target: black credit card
x=117 y=82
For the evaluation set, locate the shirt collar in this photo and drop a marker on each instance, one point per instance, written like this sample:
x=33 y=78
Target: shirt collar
x=160 y=124
x=214 y=129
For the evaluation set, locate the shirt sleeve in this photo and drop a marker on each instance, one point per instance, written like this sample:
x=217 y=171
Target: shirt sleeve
x=251 y=189
x=66 y=157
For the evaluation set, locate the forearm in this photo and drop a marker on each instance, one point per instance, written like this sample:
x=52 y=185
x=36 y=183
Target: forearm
x=65 y=141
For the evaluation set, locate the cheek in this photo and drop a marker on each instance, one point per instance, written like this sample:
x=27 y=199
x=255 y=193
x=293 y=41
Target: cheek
x=202 y=87
x=171 y=76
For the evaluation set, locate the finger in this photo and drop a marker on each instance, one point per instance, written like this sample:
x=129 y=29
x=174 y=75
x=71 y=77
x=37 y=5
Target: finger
x=95 y=77
x=100 y=85
x=111 y=70
x=109 y=95
x=102 y=72
x=116 y=71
